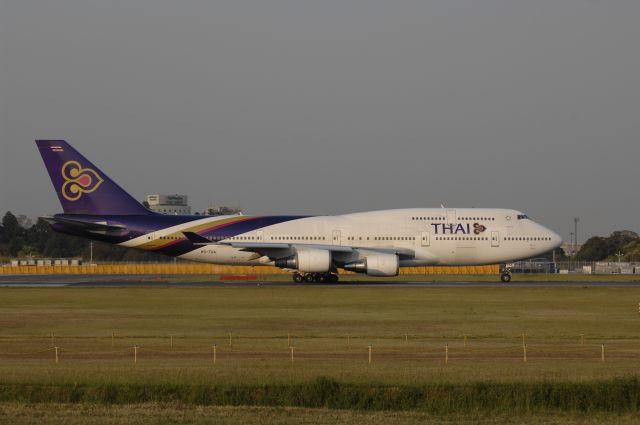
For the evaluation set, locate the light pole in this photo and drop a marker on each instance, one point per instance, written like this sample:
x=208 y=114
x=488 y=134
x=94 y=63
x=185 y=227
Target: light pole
x=619 y=255
x=573 y=247
x=575 y=224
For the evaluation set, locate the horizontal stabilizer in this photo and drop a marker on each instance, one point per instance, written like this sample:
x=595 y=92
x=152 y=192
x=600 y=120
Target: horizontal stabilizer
x=87 y=226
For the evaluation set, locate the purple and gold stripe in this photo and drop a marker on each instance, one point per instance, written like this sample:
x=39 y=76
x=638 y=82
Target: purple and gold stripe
x=217 y=230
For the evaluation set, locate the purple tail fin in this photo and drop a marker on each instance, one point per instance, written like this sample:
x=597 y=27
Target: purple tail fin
x=81 y=187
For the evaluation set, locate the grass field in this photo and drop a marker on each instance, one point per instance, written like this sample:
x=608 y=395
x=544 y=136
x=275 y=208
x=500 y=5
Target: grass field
x=159 y=413
x=330 y=329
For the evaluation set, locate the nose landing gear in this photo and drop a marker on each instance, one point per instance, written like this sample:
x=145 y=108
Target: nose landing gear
x=315 y=277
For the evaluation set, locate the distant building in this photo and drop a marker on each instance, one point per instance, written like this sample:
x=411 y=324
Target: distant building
x=626 y=234
x=169 y=204
x=570 y=249
x=222 y=210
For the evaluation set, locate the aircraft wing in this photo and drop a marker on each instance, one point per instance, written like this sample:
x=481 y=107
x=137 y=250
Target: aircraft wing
x=196 y=239
x=274 y=250
x=255 y=246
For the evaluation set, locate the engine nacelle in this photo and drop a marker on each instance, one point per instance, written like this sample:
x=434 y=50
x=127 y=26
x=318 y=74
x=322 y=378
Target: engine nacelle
x=309 y=260
x=376 y=265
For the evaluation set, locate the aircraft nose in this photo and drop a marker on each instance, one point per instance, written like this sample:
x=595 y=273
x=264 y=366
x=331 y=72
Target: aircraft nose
x=555 y=241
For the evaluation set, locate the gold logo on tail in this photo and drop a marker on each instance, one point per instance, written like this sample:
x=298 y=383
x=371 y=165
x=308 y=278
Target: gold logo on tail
x=78 y=180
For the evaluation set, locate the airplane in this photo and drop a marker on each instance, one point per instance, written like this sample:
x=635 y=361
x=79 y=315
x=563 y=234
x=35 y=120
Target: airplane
x=312 y=248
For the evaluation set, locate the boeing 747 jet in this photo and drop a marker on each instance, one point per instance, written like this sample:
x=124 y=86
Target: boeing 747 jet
x=312 y=248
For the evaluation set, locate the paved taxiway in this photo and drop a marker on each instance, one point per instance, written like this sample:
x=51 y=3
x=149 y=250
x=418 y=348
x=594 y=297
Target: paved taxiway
x=49 y=281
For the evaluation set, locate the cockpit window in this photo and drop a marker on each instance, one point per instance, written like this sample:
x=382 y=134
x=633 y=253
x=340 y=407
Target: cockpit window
x=522 y=217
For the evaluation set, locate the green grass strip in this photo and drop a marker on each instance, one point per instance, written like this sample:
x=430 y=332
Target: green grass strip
x=621 y=395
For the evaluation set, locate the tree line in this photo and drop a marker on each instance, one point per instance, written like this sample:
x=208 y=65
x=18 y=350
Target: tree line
x=599 y=248
x=18 y=240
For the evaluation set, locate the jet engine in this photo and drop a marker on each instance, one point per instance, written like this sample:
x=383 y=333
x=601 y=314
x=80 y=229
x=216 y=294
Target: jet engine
x=308 y=260
x=376 y=265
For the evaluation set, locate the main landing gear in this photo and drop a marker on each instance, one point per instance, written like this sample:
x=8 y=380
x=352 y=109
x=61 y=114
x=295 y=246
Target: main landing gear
x=505 y=273
x=315 y=277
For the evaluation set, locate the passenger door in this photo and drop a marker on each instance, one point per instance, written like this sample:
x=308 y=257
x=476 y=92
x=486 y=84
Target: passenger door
x=335 y=239
x=495 y=238
x=426 y=239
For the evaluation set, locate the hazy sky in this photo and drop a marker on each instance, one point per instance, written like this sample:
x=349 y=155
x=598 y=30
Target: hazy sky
x=327 y=107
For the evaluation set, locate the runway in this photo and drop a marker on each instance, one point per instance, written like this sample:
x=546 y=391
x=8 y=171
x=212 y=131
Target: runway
x=133 y=281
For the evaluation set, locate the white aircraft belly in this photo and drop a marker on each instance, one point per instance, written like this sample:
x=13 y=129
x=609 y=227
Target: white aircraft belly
x=222 y=254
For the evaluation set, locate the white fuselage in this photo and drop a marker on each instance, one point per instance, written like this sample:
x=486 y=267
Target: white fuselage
x=436 y=236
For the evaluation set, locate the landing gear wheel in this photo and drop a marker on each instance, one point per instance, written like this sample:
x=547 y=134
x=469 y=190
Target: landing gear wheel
x=505 y=273
x=333 y=278
x=309 y=278
x=297 y=278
